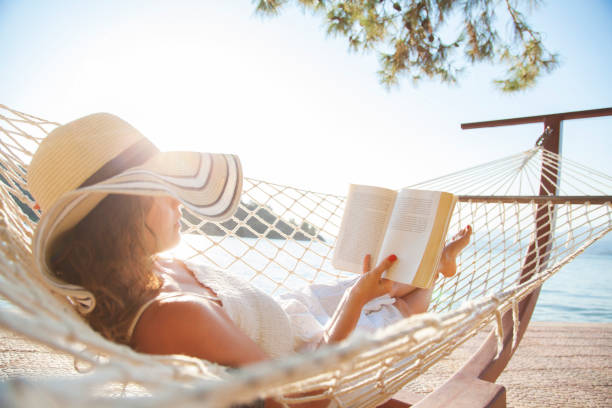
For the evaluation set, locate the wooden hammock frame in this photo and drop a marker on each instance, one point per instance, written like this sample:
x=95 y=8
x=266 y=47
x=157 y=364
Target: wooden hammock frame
x=473 y=385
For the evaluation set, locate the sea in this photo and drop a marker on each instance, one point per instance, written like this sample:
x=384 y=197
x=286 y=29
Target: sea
x=580 y=292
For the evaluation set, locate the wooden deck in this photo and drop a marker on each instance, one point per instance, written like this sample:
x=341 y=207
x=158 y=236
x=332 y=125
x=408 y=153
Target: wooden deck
x=556 y=365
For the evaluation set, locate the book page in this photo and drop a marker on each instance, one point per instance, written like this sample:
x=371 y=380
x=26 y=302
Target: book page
x=408 y=234
x=363 y=226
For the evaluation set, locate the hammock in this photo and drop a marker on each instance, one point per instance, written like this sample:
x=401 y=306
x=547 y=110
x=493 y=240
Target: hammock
x=283 y=237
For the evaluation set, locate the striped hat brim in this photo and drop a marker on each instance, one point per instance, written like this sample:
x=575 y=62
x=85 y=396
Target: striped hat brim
x=207 y=184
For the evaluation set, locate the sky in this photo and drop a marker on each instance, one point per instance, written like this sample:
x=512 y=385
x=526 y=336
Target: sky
x=293 y=103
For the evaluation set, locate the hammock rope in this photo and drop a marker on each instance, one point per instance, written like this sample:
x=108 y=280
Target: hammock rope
x=282 y=238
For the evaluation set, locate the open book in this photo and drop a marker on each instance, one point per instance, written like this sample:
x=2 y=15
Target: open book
x=409 y=223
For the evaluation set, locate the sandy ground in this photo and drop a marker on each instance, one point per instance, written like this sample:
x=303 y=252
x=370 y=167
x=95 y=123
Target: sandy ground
x=556 y=364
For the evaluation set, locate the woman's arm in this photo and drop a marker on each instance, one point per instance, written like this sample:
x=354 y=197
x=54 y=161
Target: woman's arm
x=370 y=285
x=192 y=326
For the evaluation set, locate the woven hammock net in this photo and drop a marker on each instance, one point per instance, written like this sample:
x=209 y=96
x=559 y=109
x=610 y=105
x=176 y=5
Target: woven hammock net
x=282 y=238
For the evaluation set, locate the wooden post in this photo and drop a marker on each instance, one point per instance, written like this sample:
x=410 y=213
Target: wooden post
x=535 y=261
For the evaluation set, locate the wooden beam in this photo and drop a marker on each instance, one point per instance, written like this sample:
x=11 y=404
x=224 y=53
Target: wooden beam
x=537 y=199
x=592 y=113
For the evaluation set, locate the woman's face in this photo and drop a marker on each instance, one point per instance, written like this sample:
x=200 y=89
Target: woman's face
x=163 y=219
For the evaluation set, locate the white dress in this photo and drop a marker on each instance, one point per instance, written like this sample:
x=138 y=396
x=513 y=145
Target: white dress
x=294 y=321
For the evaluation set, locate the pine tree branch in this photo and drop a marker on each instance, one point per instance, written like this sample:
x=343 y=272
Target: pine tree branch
x=406 y=35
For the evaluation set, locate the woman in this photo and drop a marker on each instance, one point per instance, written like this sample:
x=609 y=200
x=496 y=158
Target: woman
x=110 y=202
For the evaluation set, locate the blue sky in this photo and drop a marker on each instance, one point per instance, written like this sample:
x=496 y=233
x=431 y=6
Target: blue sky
x=295 y=105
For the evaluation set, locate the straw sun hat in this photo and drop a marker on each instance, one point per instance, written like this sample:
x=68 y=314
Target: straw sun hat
x=81 y=162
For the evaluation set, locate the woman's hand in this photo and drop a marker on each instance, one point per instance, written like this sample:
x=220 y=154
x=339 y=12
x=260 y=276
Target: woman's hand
x=371 y=284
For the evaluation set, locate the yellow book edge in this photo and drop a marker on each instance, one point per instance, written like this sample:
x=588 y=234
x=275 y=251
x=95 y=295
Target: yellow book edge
x=425 y=275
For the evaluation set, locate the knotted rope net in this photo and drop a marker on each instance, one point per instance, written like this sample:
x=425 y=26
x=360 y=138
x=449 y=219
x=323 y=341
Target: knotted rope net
x=282 y=238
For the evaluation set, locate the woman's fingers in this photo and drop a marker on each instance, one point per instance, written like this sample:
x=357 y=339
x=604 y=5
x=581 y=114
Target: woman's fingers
x=366 y=263
x=385 y=264
x=371 y=284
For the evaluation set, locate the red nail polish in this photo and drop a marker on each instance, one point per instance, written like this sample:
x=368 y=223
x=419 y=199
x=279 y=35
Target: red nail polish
x=392 y=258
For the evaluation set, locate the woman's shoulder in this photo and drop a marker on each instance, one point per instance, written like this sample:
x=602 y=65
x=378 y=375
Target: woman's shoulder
x=169 y=316
x=166 y=304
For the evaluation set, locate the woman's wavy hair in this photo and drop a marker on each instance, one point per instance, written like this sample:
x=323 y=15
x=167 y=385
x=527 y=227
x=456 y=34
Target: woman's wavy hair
x=106 y=253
